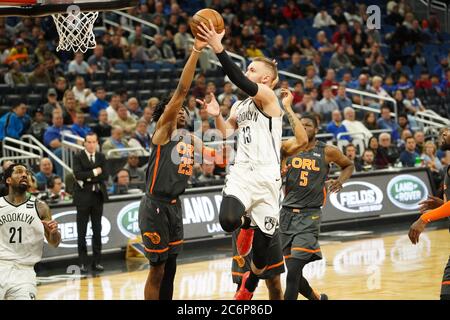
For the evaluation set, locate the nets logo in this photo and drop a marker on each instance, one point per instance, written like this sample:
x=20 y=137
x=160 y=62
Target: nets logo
x=406 y=191
x=67 y=224
x=358 y=197
x=128 y=220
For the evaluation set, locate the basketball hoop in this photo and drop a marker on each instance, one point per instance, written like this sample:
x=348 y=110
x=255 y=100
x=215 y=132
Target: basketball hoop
x=74 y=19
x=75 y=29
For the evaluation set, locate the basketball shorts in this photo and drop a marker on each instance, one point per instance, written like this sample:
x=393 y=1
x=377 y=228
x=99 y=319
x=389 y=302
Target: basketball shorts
x=17 y=282
x=161 y=225
x=275 y=262
x=299 y=230
x=445 y=288
x=258 y=189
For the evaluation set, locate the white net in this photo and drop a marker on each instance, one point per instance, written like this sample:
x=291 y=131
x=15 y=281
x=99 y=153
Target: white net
x=75 y=30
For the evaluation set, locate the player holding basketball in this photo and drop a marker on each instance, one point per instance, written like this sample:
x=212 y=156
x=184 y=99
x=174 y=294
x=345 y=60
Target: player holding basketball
x=24 y=223
x=439 y=209
x=169 y=169
x=301 y=212
x=254 y=182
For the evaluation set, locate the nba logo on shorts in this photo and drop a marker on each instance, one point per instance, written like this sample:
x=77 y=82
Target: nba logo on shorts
x=269 y=223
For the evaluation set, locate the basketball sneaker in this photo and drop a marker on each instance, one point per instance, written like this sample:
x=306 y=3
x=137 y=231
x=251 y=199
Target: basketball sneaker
x=243 y=293
x=323 y=296
x=244 y=241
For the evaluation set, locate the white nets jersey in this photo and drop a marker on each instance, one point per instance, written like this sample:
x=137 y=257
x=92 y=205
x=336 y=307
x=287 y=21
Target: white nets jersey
x=259 y=135
x=21 y=232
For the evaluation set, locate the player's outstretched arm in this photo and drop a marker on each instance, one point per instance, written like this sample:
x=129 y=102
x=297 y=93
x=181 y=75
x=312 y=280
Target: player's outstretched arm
x=300 y=140
x=52 y=233
x=164 y=125
x=214 y=39
x=226 y=127
x=333 y=154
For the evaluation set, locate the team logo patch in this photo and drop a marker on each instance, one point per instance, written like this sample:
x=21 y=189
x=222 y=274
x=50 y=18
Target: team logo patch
x=269 y=223
x=153 y=236
x=240 y=261
x=30 y=206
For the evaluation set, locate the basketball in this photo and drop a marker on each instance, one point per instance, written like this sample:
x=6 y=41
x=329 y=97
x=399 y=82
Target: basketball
x=204 y=16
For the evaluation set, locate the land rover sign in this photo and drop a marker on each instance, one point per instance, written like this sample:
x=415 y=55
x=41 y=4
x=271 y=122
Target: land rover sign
x=406 y=191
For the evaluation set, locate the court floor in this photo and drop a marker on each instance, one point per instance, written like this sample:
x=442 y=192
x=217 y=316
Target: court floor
x=381 y=267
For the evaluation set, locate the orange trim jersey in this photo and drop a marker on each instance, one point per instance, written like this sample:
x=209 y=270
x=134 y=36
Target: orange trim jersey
x=170 y=167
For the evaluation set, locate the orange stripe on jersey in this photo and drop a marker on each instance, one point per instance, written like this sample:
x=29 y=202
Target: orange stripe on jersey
x=446 y=283
x=155 y=170
x=305 y=250
x=175 y=243
x=324 y=197
x=237 y=274
x=156 y=251
x=287 y=257
x=275 y=265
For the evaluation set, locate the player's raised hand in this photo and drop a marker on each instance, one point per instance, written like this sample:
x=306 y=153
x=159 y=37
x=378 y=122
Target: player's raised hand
x=333 y=186
x=209 y=34
x=415 y=230
x=51 y=226
x=286 y=98
x=212 y=107
x=430 y=203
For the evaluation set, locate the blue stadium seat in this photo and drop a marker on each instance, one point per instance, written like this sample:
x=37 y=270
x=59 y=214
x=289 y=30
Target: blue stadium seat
x=40 y=89
x=134 y=74
x=163 y=83
x=116 y=75
x=285 y=33
x=147 y=84
x=131 y=85
x=34 y=100
x=417 y=69
x=113 y=85
x=144 y=94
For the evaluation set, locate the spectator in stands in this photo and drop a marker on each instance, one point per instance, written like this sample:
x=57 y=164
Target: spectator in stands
x=373 y=145
x=138 y=54
x=137 y=38
x=387 y=153
x=291 y=11
x=15 y=123
x=252 y=51
x=199 y=89
x=99 y=103
x=4 y=51
x=52 y=104
x=207 y=176
x=430 y=158
x=53 y=139
x=274 y=18
x=367 y=161
x=441 y=68
x=342 y=37
x=330 y=81
x=386 y=122
x=160 y=52
x=402 y=142
x=115 y=52
x=70 y=107
x=341 y=99
x=182 y=41
x=412 y=104
x=15 y=76
x=84 y=96
x=40 y=75
x=55 y=191
x=293 y=46
x=137 y=174
x=278 y=51
x=19 y=53
x=102 y=127
x=298 y=95
x=307 y=49
x=394 y=17
x=350 y=152
x=148 y=115
x=38 y=125
x=379 y=67
x=227 y=92
x=307 y=104
x=61 y=87
x=140 y=137
x=335 y=126
x=125 y=121
x=97 y=61
x=370 y=121
x=327 y=104
x=338 y=15
x=45 y=173
x=116 y=141
x=121 y=182
x=354 y=126
x=322 y=44
x=134 y=108
x=403 y=123
x=363 y=85
x=79 y=66
x=339 y=60
x=323 y=19
x=113 y=106
x=436 y=86
x=419 y=137
x=79 y=127
x=312 y=74
x=377 y=88
x=409 y=156
x=424 y=81
x=403 y=83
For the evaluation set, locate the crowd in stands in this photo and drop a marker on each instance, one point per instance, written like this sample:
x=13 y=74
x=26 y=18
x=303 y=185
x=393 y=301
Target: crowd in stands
x=113 y=89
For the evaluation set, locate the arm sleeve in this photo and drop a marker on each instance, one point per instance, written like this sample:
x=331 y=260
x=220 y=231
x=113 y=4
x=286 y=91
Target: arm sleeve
x=437 y=214
x=236 y=75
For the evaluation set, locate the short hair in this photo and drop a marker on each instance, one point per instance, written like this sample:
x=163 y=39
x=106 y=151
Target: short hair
x=51 y=181
x=349 y=146
x=100 y=88
x=270 y=64
x=8 y=172
x=310 y=117
x=410 y=137
x=368 y=150
x=90 y=134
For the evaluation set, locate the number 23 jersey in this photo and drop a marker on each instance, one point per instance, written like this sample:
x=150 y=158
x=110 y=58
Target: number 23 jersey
x=21 y=232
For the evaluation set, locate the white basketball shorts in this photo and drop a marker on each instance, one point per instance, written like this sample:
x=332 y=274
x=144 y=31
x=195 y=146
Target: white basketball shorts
x=17 y=282
x=258 y=188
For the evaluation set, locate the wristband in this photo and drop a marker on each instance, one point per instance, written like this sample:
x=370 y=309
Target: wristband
x=196 y=50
